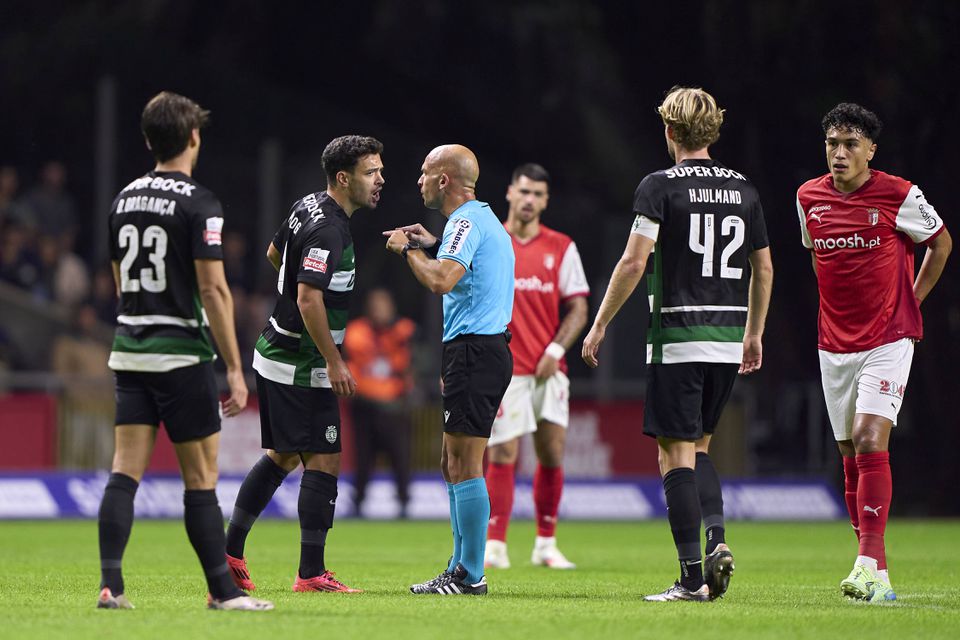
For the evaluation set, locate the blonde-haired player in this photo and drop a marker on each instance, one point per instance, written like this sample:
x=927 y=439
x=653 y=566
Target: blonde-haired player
x=710 y=287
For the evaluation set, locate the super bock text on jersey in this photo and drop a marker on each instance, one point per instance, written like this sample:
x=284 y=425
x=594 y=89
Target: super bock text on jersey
x=316 y=248
x=710 y=220
x=159 y=224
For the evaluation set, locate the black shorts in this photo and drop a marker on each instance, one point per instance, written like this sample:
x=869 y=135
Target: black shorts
x=685 y=400
x=298 y=419
x=476 y=372
x=186 y=400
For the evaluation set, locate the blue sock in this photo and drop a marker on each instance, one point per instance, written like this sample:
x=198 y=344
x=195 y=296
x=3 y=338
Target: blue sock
x=473 y=514
x=455 y=557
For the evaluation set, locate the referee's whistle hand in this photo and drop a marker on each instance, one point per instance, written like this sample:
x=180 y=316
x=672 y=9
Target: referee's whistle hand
x=397 y=240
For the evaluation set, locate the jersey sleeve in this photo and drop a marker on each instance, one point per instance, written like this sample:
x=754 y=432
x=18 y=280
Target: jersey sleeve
x=758 y=228
x=572 y=281
x=321 y=253
x=644 y=226
x=804 y=233
x=206 y=229
x=648 y=200
x=917 y=218
x=461 y=237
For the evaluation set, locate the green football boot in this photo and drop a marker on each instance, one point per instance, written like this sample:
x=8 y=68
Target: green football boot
x=881 y=592
x=859 y=584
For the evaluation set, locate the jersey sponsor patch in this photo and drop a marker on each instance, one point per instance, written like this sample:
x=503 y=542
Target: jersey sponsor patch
x=212 y=235
x=316 y=260
x=464 y=227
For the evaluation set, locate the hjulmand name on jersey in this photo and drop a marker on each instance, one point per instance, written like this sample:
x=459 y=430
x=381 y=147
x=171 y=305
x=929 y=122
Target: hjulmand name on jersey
x=720 y=196
x=855 y=241
x=703 y=172
x=162 y=184
x=533 y=283
x=146 y=204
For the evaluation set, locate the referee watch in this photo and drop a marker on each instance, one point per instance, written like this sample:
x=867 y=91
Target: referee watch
x=410 y=246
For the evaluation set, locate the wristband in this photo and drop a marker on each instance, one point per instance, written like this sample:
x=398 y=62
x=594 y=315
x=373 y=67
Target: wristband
x=432 y=251
x=555 y=350
x=407 y=247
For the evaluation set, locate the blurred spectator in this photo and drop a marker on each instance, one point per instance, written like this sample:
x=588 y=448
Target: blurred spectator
x=64 y=276
x=87 y=408
x=19 y=265
x=51 y=206
x=11 y=210
x=377 y=347
x=235 y=263
x=104 y=295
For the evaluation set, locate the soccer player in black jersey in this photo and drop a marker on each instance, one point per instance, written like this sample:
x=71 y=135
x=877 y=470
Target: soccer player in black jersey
x=165 y=245
x=299 y=369
x=710 y=288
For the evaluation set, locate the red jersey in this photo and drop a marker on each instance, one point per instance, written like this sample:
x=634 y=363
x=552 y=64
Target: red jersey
x=863 y=244
x=547 y=272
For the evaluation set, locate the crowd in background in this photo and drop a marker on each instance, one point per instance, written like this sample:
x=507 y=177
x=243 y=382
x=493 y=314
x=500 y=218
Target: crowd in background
x=39 y=228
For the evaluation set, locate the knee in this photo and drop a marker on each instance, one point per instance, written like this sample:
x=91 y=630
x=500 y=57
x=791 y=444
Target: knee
x=552 y=455
x=200 y=479
x=867 y=441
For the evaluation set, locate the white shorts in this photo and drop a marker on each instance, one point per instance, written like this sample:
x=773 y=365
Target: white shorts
x=865 y=382
x=527 y=402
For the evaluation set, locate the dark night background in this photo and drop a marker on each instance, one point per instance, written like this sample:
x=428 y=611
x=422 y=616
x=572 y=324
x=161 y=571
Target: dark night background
x=572 y=85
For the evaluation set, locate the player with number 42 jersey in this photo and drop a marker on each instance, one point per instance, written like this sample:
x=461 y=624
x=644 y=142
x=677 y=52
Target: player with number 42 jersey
x=710 y=220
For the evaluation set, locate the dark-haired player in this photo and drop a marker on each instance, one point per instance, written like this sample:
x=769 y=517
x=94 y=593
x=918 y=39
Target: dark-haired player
x=548 y=279
x=710 y=289
x=861 y=226
x=165 y=235
x=300 y=371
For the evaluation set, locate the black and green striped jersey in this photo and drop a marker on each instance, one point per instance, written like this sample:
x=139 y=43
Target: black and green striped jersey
x=159 y=224
x=698 y=279
x=316 y=248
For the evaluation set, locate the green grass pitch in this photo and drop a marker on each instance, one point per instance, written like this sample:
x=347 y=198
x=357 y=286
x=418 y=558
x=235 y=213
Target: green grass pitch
x=785 y=585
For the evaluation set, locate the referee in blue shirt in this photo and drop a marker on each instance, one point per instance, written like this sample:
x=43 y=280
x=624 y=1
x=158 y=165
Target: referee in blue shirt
x=473 y=270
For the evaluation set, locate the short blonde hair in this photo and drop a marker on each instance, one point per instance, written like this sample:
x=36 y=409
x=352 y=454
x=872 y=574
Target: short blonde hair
x=693 y=115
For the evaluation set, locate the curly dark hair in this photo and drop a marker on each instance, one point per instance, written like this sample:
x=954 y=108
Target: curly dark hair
x=343 y=153
x=167 y=122
x=848 y=116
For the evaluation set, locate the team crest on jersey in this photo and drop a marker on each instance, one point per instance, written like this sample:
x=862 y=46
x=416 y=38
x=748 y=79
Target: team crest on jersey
x=331 y=434
x=316 y=260
x=873 y=216
x=212 y=235
x=549 y=260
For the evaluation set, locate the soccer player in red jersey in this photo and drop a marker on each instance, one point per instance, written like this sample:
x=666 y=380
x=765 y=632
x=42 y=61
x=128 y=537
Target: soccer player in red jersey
x=548 y=280
x=861 y=226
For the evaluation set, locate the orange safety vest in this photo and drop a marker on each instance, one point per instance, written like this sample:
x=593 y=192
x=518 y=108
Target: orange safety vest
x=379 y=359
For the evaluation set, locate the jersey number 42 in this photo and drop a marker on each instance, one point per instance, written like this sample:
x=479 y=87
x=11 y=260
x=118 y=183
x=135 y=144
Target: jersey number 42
x=730 y=225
